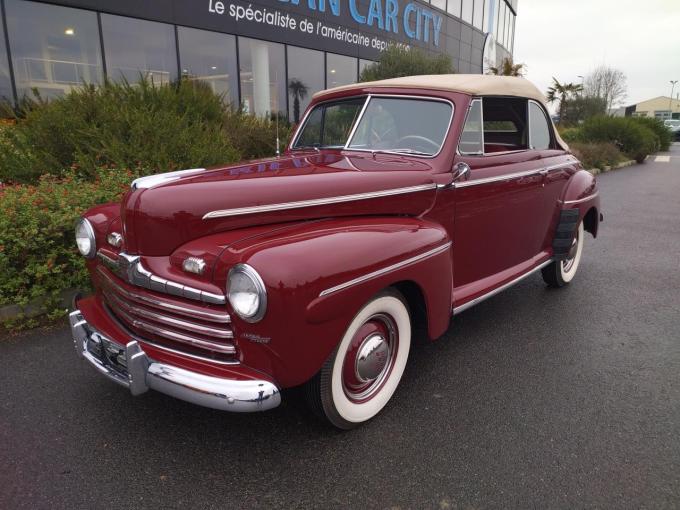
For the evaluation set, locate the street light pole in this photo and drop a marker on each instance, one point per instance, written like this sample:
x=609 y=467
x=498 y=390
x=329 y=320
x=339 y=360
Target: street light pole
x=579 y=76
x=670 y=103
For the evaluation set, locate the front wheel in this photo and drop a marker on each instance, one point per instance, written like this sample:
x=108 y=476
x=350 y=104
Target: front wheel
x=361 y=375
x=561 y=272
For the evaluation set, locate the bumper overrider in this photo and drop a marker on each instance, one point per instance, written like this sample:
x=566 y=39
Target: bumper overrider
x=129 y=366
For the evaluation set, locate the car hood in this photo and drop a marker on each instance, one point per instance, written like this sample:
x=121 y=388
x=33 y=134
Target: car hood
x=163 y=212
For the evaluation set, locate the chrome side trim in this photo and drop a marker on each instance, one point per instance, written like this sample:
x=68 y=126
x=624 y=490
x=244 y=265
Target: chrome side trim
x=498 y=178
x=130 y=268
x=385 y=270
x=152 y=181
x=581 y=200
x=144 y=373
x=182 y=310
x=316 y=202
x=515 y=175
x=470 y=304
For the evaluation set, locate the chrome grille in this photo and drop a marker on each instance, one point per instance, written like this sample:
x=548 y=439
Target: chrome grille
x=169 y=321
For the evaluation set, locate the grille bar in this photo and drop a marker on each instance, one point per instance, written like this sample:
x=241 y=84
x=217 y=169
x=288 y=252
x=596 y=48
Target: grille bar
x=180 y=309
x=174 y=335
x=192 y=327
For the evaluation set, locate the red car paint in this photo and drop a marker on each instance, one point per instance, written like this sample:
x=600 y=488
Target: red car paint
x=497 y=231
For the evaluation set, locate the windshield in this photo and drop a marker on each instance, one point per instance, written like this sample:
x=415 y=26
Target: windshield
x=388 y=124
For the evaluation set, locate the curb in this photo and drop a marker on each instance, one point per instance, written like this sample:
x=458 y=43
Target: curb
x=624 y=164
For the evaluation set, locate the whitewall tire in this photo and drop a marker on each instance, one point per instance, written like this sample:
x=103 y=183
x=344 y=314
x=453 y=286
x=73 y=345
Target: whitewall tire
x=363 y=372
x=562 y=272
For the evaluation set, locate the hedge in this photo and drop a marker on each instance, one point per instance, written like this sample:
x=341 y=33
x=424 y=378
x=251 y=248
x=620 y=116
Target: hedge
x=633 y=138
x=38 y=255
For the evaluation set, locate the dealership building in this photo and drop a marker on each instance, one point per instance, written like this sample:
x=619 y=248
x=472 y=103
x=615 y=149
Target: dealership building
x=256 y=53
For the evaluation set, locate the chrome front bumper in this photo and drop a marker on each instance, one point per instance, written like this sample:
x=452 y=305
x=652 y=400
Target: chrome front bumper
x=129 y=366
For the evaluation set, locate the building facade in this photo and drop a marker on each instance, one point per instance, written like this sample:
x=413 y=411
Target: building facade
x=259 y=54
x=662 y=107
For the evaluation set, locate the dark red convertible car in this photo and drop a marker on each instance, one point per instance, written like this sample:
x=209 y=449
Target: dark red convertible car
x=397 y=203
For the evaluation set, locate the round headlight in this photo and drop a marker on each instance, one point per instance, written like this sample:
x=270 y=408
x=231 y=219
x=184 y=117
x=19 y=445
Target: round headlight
x=85 y=238
x=246 y=292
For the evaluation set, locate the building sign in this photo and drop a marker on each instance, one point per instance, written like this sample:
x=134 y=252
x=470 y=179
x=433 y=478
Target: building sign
x=369 y=24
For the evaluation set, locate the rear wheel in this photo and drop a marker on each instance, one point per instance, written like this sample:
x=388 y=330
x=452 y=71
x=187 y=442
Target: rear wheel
x=561 y=272
x=361 y=375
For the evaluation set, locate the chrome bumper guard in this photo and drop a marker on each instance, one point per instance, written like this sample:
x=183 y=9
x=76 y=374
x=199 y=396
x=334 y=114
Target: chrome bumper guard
x=129 y=366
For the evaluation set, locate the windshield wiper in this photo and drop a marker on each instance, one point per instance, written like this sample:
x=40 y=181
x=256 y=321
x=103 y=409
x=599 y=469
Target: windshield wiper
x=409 y=151
x=306 y=147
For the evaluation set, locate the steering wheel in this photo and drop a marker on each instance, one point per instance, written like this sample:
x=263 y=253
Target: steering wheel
x=420 y=142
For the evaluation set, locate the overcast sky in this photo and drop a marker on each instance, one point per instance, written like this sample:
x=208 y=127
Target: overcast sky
x=567 y=38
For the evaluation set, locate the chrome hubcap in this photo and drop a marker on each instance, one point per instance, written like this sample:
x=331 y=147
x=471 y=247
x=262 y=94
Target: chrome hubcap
x=372 y=358
x=369 y=358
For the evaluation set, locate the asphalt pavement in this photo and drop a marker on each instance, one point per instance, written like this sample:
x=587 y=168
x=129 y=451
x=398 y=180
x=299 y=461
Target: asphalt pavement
x=536 y=398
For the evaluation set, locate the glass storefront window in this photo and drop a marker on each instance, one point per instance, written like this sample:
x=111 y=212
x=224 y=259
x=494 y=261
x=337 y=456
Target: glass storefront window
x=53 y=48
x=466 y=14
x=439 y=4
x=6 y=95
x=363 y=64
x=211 y=58
x=340 y=70
x=478 y=15
x=137 y=49
x=305 y=77
x=263 y=76
x=453 y=7
x=487 y=13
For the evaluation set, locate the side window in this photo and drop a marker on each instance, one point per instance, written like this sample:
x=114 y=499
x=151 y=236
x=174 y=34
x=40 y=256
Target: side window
x=472 y=139
x=539 y=132
x=505 y=124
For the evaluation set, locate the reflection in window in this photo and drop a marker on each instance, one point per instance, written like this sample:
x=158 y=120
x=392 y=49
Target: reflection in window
x=439 y=4
x=211 y=58
x=453 y=7
x=363 y=64
x=409 y=126
x=305 y=77
x=137 y=49
x=539 y=132
x=6 y=95
x=472 y=140
x=466 y=14
x=53 y=48
x=340 y=70
x=329 y=124
x=263 y=77
x=478 y=15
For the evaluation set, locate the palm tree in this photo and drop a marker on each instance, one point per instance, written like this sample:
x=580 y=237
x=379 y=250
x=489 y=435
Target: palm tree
x=299 y=91
x=508 y=68
x=562 y=92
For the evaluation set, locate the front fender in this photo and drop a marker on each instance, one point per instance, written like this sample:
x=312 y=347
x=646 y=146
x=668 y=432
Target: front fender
x=318 y=275
x=582 y=193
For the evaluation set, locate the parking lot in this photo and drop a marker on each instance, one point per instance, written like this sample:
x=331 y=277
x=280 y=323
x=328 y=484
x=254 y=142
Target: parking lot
x=537 y=398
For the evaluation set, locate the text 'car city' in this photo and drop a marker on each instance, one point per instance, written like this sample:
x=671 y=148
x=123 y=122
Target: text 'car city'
x=396 y=202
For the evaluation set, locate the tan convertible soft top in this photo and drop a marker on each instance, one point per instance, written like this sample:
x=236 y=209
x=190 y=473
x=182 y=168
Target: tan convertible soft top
x=472 y=84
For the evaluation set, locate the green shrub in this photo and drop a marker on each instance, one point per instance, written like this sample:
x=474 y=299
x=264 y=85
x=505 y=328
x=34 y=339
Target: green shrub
x=571 y=134
x=397 y=61
x=597 y=155
x=664 y=134
x=160 y=128
x=255 y=137
x=38 y=256
x=635 y=140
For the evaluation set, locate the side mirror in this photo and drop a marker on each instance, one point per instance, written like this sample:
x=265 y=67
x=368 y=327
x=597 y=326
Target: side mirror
x=461 y=171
